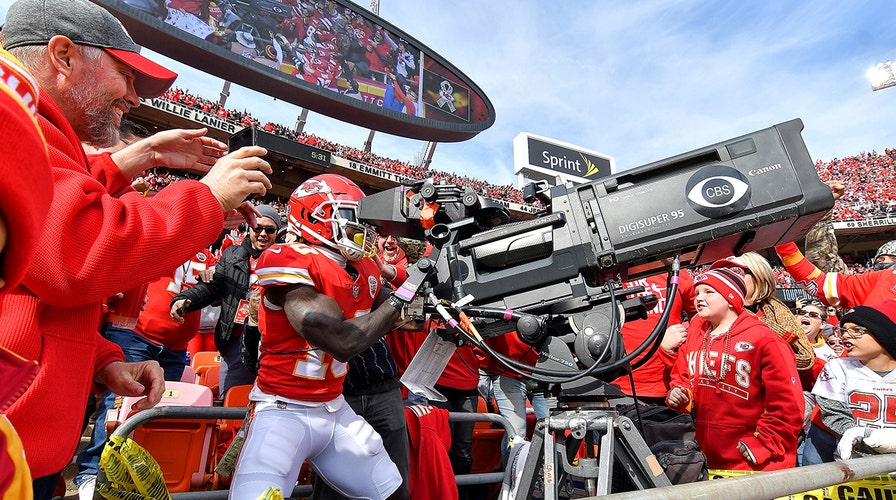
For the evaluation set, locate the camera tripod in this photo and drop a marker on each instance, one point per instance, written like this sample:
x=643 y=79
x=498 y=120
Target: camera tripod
x=558 y=437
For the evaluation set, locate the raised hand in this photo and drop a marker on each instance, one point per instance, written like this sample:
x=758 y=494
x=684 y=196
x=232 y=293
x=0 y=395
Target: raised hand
x=237 y=175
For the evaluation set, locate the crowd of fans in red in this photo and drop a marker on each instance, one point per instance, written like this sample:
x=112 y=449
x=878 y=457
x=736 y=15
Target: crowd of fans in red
x=869 y=184
x=868 y=175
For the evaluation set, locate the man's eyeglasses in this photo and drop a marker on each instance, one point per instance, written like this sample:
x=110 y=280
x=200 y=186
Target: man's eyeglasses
x=835 y=342
x=811 y=314
x=855 y=332
x=267 y=229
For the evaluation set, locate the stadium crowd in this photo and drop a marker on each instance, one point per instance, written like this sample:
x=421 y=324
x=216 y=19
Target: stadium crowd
x=108 y=301
x=504 y=192
x=871 y=194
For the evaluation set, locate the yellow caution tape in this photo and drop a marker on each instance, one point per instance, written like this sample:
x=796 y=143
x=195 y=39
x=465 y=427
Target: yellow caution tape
x=131 y=473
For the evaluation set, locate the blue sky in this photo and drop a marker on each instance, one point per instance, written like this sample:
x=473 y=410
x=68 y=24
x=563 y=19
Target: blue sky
x=637 y=80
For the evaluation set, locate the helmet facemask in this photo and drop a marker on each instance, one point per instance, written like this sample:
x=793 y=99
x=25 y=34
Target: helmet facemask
x=352 y=238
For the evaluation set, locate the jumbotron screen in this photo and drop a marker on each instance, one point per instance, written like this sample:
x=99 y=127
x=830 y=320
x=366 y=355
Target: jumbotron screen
x=331 y=57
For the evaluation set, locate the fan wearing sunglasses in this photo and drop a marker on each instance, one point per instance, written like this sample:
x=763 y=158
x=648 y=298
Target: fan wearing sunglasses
x=231 y=284
x=813 y=317
x=853 y=392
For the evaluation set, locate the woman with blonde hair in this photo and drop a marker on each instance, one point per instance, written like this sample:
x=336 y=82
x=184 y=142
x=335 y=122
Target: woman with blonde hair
x=760 y=300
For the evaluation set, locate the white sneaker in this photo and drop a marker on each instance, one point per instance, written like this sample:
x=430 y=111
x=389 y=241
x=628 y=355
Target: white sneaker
x=85 y=489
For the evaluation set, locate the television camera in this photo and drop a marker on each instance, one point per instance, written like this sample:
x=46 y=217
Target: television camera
x=557 y=279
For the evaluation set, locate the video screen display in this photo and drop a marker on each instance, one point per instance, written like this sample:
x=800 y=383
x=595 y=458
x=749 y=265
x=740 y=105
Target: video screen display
x=322 y=55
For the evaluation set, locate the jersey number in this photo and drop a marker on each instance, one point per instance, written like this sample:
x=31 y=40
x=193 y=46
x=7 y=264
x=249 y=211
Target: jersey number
x=315 y=366
x=875 y=409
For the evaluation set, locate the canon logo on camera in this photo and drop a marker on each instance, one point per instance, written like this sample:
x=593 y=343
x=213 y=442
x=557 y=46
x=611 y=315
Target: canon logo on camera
x=717 y=191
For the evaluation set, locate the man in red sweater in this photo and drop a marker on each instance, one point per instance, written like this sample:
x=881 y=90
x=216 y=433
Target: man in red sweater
x=89 y=73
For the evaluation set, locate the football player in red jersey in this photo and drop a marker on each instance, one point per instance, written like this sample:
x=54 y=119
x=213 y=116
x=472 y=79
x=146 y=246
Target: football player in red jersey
x=322 y=303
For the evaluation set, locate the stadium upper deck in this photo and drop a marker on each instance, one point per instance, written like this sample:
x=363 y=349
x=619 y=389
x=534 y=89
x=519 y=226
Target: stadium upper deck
x=864 y=218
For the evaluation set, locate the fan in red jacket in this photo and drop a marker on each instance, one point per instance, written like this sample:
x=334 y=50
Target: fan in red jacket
x=739 y=379
x=52 y=315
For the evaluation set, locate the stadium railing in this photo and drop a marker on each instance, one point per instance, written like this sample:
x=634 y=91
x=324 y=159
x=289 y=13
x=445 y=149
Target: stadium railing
x=237 y=413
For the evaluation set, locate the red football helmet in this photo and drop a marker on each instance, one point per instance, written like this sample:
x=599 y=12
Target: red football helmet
x=324 y=211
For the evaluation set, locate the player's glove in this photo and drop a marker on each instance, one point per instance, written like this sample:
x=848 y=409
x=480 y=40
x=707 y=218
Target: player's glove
x=851 y=438
x=881 y=440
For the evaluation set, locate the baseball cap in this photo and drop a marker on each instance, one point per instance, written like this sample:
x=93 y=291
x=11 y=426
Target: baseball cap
x=35 y=22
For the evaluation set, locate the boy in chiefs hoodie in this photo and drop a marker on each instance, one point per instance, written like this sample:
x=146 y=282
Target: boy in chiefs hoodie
x=739 y=379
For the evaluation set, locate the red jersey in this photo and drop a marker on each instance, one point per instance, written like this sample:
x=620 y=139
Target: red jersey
x=155 y=321
x=652 y=378
x=289 y=365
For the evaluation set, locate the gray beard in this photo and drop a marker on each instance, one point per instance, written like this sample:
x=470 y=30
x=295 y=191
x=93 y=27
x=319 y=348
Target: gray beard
x=101 y=130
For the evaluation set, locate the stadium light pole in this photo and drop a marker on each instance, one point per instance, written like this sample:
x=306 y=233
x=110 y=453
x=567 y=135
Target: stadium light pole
x=302 y=120
x=368 y=144
x=882 y=76
x=225 y=92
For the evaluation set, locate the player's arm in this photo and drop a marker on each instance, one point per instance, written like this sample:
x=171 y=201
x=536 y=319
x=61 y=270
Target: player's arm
x=319 y=319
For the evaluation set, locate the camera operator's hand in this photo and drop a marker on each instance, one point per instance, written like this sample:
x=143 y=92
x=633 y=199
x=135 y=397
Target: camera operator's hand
x=237 y=175
x=675 y=336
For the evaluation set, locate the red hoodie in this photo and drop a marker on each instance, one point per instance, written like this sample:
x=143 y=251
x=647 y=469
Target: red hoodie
x=758 y=401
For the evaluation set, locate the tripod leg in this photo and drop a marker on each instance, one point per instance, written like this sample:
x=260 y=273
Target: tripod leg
x=605 y=471
x=533 y=462
x=634 y=454
x=550 y=473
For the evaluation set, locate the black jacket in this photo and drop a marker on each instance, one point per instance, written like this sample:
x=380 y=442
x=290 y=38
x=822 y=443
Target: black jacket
x=230 y=285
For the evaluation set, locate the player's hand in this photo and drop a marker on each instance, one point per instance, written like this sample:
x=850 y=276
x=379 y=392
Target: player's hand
x=143 y=378
x=851 y=437
x=678 y=397
x=177 y=310
x=881 y=440
x=675 y=336
x=238 y=175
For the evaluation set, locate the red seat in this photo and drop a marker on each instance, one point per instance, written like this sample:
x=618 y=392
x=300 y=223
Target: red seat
x=210 y=376
x=236 y=397
x=180 y=446
x=205 y=358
